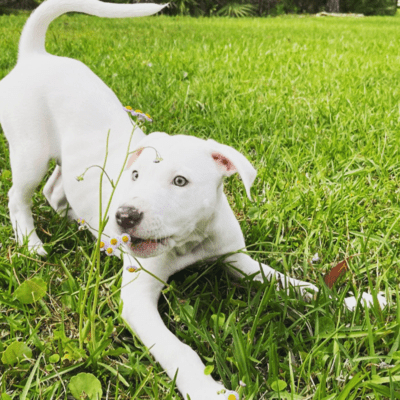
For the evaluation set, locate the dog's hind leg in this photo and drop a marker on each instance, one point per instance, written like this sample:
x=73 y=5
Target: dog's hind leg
x=29 y=164
x=54 y=192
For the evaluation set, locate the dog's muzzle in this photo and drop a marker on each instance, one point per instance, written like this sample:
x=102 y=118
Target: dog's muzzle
x=128 y=217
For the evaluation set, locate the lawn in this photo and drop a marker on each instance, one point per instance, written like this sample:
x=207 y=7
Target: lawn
x=314 y=104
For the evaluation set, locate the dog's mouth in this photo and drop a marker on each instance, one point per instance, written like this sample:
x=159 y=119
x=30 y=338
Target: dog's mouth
x=137 y=241
x=148 y=247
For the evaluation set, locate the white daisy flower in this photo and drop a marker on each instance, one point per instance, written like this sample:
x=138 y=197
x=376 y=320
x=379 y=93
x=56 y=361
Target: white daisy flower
x=125 y=238
x=82 y=224
x=103 y=245
x=315 y=258
x=231 y=395
x=110 y=251
x=115 y=241
x=138 y=113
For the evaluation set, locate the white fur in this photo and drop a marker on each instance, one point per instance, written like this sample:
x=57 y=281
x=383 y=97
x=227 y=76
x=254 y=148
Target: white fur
x=57 y=108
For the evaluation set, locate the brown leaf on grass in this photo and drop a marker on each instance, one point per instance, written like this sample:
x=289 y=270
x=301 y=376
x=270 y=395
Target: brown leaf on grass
x=335 y=273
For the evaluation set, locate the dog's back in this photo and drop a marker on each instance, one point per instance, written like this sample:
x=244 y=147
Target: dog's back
x=32 y=46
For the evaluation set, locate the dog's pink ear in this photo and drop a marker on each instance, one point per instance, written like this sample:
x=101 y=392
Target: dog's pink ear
x=224 y=163
x=230 y=161
x=134 y=157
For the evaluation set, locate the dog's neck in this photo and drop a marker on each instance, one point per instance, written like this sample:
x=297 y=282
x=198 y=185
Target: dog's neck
x=197 y=238
x=205 y=238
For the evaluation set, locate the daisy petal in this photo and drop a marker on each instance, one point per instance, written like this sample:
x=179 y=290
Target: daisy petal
x=231 y=395
x=125 y=238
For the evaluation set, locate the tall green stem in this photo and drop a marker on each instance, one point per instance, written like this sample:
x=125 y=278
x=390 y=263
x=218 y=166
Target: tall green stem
x=95 y=259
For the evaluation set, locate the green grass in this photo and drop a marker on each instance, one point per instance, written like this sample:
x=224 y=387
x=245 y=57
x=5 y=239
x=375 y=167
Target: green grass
x=314 y=104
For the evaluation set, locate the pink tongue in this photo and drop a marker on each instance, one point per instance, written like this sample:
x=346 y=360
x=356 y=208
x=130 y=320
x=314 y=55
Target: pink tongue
x=145 y=246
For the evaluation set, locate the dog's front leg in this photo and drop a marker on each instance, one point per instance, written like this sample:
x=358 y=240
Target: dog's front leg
x=140 y=292
x=244 y=264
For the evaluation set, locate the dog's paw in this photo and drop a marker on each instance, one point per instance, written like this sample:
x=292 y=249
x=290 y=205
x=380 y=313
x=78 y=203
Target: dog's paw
x=37 y=248
x=41 y=251
x=351 y=302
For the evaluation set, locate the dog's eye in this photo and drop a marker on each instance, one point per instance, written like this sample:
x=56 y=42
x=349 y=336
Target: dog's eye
x=180 y=181
x=135 y=175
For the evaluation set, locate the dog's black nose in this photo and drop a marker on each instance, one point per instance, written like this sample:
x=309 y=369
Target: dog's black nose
x=128 y=217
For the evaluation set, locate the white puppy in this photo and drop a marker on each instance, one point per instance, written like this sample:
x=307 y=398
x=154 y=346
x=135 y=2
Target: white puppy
x=174 y=210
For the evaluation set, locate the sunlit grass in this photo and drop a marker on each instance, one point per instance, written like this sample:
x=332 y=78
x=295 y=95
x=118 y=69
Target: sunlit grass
x=314 y=104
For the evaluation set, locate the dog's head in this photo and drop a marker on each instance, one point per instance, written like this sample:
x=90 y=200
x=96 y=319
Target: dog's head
x=164 y=203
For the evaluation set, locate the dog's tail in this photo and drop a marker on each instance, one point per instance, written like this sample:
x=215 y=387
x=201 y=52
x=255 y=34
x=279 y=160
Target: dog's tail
x=34 y=33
